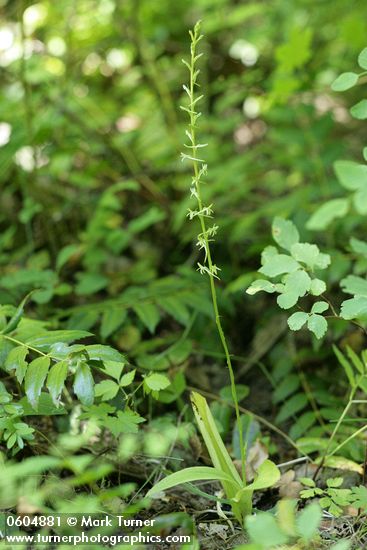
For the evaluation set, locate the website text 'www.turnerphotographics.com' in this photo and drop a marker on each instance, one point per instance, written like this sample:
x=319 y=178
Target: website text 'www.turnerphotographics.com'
x=83 y=529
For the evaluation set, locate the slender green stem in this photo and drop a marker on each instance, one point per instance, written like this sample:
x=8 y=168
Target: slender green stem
x=204 y=212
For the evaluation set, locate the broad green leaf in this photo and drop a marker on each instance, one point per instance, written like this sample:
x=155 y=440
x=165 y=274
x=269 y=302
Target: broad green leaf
x=267 y=476
x=56 y=379
x=299 y=282
x=35 y=377
x=287 y=299
x=107 y=389
x=263 y=529
x=156 y=381
x=216 y=449
x=317 y=287
x=319 y=307
x=114 y=369
x=279 y=264
x=84 y=384
x=345 y=81
x=362 y=59
x=112 y=319
x=285 y=233
x=149 y=315
x=327 y=213
x=354 y=308
x=308 y=521
x=317 y=324
x=127 y=379
x=188 y=475
x=259 y=285
x=305 y=253
x=350 y=174
x=359 y=110
x=297 y=320
x=16 y=360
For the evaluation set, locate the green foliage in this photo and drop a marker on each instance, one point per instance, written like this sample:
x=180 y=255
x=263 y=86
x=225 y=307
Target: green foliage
x=298 y=280
x=333 y=498
x=268 y=531
x=116 y=324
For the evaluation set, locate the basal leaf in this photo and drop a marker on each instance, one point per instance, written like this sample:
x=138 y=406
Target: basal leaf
x=188 y=475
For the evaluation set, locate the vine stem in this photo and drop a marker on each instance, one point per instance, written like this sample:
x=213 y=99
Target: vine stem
x=199 y=168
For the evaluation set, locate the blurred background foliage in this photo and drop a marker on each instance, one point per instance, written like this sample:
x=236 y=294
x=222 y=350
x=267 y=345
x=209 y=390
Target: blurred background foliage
x=94 y=196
